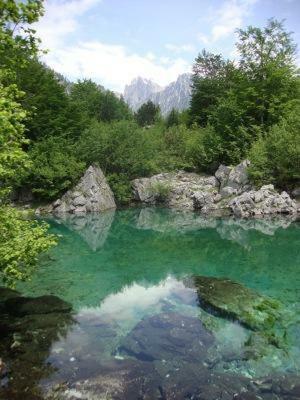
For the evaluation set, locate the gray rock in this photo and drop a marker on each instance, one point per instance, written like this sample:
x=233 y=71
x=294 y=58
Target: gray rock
x=202 y=199
x=222 y=175
x=177 y=188
x=238 y=176
x=228 y=192
x=161 y=336
x=79 y=201
x=262 y=202
x=91 y=194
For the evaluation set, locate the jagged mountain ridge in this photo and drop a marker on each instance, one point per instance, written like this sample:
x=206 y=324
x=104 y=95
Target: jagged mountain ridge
x=175 y=95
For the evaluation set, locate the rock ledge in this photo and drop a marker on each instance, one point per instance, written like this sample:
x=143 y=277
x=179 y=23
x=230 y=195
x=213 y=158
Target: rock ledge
x=229 y=191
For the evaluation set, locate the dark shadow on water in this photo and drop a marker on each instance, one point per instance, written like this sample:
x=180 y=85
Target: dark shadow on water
x=28 y=327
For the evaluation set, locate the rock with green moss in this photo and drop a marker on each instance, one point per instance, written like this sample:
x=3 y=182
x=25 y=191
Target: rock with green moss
x=231 y=300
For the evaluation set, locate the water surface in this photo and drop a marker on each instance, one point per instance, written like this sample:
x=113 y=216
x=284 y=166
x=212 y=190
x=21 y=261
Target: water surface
x=124 y=273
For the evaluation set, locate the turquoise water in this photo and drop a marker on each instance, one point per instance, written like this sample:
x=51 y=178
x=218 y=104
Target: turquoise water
x=119 y=270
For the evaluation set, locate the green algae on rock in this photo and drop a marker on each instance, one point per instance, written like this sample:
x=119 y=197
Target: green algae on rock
x=231 y=300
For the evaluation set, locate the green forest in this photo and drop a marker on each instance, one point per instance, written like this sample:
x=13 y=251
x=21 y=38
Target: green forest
x=51 y=129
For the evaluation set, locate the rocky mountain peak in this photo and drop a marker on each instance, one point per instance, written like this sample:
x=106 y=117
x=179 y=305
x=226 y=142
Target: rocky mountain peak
x=175 y=95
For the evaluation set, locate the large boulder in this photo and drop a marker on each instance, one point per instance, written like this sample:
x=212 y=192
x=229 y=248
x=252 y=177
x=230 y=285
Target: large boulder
x=233 y=180
x=91 y=194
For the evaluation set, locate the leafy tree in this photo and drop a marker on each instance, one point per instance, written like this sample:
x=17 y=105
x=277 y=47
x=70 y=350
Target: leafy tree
x=113 y=108
x=16 y=35
x=93 y=101
x=122 y=150
x=55 y=167
x=267 y=57
x=172 y=119
x=276 y=157
x=211 y=78
x=242 y=102
x=147 y=114
x=86 y=96
x=13 y=160
x=47 y=102
x=21 y=241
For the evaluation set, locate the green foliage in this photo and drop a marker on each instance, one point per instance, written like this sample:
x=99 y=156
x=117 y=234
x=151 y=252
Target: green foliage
x=203 y=149
x=121 y=187
x=55 y=167
x=21 y=242
x=147 y=114
x=119 y=147
x=13 y=160
x=161 y=190
x=94 y=102
x=172 y=119
x=16 y=35
x=47 y=103
x=276 y=156
x=211 y=78
x=243 y=101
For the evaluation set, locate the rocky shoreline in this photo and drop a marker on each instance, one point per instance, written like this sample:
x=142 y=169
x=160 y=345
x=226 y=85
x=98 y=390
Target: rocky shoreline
x=228 y=192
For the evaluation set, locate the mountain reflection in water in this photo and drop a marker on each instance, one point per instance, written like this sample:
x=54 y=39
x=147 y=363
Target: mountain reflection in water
x=138 y=328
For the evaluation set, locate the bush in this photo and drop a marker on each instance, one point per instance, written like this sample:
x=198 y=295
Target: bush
x=161 y=190
x=21 y=242
x=204 y=149
x=55 y=167
x=276 y=157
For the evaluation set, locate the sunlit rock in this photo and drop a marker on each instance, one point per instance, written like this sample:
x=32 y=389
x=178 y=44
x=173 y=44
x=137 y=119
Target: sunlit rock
x=91 y=194
x=229 y=191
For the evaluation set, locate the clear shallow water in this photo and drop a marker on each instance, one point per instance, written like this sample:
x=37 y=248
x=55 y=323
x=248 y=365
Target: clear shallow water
x=123 y=272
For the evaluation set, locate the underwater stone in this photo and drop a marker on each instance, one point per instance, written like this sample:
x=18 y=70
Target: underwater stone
x=168 y=335
x=36 y=305
x=232 y=300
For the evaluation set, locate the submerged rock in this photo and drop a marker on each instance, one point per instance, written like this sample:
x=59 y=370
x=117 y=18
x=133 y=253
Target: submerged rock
x=167 y=335
x=234 y=301
x=29 y=327
x=21 y=306
x=91 y=194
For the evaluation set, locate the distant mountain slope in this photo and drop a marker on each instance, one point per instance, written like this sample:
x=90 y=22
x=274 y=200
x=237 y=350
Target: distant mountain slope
x=176 y=95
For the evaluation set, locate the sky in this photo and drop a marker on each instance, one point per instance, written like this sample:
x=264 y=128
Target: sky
x=114 y=41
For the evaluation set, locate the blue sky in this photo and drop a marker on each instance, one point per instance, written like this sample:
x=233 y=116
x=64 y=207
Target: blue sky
x=113 y=41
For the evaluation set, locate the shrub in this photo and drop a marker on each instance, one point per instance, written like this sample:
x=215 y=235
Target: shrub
x=161 y=190
x=276 y=157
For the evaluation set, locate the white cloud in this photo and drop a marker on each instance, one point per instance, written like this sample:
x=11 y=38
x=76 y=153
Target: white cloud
x=184 y=48
x=224 y=22
x=112 y=65
x=60 y=19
